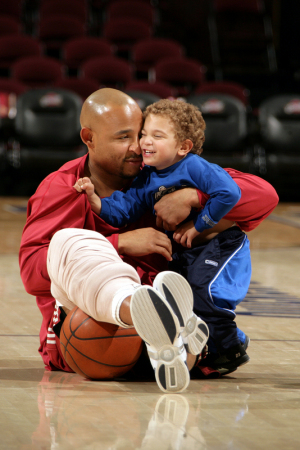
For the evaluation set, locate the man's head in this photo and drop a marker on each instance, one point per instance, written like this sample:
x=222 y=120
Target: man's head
x=110 y=125
x=186 y=119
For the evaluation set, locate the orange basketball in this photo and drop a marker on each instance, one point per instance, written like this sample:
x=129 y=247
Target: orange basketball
x=98 y=350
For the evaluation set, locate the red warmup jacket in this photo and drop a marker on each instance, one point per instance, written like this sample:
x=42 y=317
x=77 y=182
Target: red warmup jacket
x=56 y=205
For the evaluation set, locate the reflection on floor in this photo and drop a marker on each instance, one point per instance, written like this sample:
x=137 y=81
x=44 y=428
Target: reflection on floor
x=256 y=407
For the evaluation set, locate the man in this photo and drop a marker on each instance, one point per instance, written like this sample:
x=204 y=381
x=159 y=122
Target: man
x=111 y=123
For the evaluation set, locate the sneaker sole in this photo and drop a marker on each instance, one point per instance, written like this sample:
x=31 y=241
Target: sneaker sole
x=179 y=295
x=157 y=325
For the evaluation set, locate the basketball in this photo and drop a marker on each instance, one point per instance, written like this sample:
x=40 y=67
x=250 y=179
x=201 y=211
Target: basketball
x=98 y=350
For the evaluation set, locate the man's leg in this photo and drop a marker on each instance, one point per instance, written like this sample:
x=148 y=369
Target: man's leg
x=86 y=271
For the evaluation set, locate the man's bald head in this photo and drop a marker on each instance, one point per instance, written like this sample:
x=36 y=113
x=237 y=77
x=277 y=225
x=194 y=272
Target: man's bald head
x=102 y=101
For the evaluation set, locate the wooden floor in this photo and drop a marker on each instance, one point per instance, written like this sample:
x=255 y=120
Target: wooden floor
x=257 y=407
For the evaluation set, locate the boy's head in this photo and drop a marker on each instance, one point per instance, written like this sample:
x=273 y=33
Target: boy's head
x=186 y=119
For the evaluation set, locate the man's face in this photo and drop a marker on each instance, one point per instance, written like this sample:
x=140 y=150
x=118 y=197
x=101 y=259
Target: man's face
x=116 y=150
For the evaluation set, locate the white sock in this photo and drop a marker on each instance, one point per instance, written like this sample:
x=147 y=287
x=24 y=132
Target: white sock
x=118 y=299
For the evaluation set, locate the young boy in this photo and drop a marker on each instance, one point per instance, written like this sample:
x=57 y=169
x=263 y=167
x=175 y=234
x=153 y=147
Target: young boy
x=219 y=271
x=171 y=142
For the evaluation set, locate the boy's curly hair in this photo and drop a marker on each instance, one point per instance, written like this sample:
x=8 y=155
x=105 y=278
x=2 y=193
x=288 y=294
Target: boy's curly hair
x=186 y=118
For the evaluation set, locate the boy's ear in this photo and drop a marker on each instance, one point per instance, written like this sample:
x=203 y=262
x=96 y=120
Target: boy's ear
x=185 y=147
x=87 y=137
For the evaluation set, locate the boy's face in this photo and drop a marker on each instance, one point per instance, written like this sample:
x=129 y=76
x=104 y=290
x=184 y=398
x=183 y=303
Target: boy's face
x=160 y=148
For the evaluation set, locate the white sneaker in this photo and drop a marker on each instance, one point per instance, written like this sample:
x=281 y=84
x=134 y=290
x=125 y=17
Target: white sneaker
x=179 y=295
x=159 y=327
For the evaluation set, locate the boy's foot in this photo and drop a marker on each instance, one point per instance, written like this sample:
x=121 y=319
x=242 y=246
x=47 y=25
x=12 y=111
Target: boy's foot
x=159 y=327
x=228 y=362
x=179 y=295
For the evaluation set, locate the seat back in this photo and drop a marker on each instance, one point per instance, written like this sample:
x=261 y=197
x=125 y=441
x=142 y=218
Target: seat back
x=184 y=74
x=48 y=118
x=142 y=98
x=279 y=119
x=108 y=71
x=226 y=122
x=37 y=71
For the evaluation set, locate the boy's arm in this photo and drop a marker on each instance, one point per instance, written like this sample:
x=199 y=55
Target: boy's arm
x=121 y=209
x=85 y=184
x=223 y=191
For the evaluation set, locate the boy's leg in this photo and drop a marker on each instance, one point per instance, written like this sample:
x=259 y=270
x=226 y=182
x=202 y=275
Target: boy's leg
x=219 y=274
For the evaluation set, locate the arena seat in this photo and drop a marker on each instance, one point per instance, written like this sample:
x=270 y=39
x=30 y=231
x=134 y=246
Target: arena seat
x=147 y=52
x=16 y=46
x=70 y=8
x=81 y=86
x=226 y=87
x=226 y=130
x=9 y=25
x=109 y=71
x=124 y=32
x=37 y=71
x=184 y=74
x=12 y=8
x=78 y=50
x=131 y=8
x=55 y=30
x=158 y=88
x=142 y=98
x=47 y=130
x=279 y=149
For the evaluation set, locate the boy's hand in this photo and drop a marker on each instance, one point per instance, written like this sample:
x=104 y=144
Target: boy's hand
x=85 y=184
x=185 y=234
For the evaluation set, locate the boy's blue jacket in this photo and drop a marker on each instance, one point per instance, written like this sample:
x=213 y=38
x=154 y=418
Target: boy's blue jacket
x=147 y=188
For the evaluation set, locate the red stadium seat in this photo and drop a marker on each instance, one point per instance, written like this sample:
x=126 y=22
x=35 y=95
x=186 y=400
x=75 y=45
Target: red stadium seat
x=132 y=9
x=16 y=46
x=147 y=52
x=8 y=85
x=237 y=5
x=184 y=74
x=9 y=25
x=162 y=90
x=55 y=30
x=12 y=8
x=125 y=32
x=226 y=87
x=81 y=86
x=108 y=71
x=71 y=8
x=78 y=50
x=37 y=71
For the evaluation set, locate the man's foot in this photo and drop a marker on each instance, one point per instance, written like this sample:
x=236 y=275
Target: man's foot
x=179 y=295
x=159 y=327
x=228 y=362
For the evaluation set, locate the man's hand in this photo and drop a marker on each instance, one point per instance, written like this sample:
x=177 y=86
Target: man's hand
x=145 y=241
x=173 y=208
x=185 y=234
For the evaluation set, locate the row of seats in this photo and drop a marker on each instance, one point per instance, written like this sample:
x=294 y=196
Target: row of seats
x=239 y=32
x=45 y=132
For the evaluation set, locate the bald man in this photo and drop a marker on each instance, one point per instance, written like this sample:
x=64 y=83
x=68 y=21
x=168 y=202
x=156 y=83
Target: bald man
x=70 y=257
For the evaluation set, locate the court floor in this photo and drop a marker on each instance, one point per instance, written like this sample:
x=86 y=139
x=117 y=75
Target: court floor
x=256 y=407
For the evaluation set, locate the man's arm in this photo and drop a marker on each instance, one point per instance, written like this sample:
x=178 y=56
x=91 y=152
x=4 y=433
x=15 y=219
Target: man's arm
x=173 y=208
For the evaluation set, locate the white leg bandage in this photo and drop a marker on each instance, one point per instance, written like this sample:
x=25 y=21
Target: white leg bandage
x=86 y=271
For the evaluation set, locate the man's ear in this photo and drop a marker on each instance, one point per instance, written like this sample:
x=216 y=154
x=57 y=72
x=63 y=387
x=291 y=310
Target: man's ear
x=185 y=147
x=86 y=135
